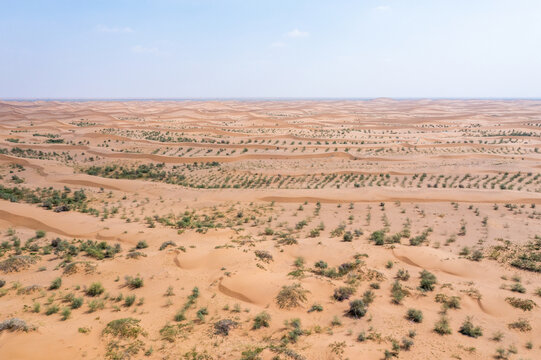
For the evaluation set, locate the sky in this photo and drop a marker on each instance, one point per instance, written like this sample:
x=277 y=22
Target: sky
x=270 y=49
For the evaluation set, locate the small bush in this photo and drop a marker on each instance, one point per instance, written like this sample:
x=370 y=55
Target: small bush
x=427 y=281
x=261 y=320
x=316 y=307
x=15 y=324
x=415 y=315
x=521 y=325
x=398 y=293
x=166 y=244
x=449 y=302
x=66 y=313
x=442 y=326
x=403 y=275
x=343 y=293
x=53 y=309
x=141 y=245
x=264 y=255
x=357 y=309
x=469 y=329
x=523 y=304
x=55 y=284
x=134 y=282
x=124 y=328
x=129 y=300
x=291 y=296
x=95 y=289
x=76 y=303
x=222 y=327
x=95 y=305
x=378 y=237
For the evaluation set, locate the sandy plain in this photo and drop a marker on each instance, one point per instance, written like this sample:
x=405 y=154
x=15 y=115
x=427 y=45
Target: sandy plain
x=270 y=229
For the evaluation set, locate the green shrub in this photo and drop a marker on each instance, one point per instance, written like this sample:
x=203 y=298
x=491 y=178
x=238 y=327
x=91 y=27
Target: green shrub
x=357 y=309
x=398 y=293
x=129 y=300
x=378 y=237
x=415 y=315
x=76 y=303
x=66 y=312
x=55 y=284
x=442 y=326
x=427 y=281
x=96 y=304
x=469 y=329
x=134 y=282
x=141 y=245
x=53 y=309
x=261 y=320
x=95 y=289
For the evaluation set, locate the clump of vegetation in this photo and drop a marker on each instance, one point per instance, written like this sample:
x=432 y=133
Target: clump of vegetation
x=523 y=304
x=402 y=275
x=141 y=245
x=442 y=326
x=414 y=315
x=449 y=302
x=261 y=320
x=530 y=256
x=378 y=237
x=15 y=324
x=291 y=296
x=264 y=255
x=521 y=324
x=343 y=293
x=427 y=281
x=166 y=244
x=469 y=329
x=134 y=282
x=222 y=327
x=357 y=309
x=316 y=307
x=398 y=293
x=17 y=263
x=55 y=284
x=124 y=328
x=95 y=289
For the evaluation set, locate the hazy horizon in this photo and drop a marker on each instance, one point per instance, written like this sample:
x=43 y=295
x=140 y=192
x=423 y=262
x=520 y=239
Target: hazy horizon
x=235 y=49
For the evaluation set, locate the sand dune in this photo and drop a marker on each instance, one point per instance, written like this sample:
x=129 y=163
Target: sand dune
x=270 y=217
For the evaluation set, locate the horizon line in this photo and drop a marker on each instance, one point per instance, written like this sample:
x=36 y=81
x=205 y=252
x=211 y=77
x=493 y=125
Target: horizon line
x=255 y=98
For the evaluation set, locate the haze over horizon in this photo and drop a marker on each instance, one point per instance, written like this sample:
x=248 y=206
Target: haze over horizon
x=270 y=49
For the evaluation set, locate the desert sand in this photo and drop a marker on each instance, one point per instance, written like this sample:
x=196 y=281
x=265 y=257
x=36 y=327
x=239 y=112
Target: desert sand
x=270 y=229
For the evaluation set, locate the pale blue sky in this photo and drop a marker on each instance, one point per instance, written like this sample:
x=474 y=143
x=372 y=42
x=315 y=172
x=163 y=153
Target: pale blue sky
x=271 y=48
